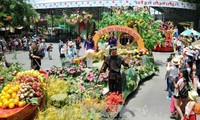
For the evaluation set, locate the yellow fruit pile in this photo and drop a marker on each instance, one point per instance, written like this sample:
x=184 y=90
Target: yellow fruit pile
x=9 y=98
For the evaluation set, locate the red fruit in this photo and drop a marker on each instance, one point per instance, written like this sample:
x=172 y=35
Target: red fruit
x=35 y=76
x=38 y=94
x=39 y=85
x=30 y=83
x=2 y=79
x=34 y=87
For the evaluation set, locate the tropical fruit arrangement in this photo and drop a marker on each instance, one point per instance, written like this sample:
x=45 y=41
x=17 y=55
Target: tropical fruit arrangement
x=25 y=88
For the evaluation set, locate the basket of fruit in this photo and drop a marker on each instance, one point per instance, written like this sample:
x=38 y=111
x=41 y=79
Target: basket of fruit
x=20 y=99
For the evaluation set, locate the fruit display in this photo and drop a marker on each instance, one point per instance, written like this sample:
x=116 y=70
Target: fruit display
x=9 y=97
x=26 y=87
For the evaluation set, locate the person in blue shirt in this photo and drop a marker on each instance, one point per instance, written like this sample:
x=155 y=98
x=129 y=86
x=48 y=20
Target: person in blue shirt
x=112 y=41
x=89 y=43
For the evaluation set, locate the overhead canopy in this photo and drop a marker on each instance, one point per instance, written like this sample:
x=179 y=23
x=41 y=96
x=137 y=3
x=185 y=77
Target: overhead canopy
x=177 y=15
x=188 y=32
x=46 y=4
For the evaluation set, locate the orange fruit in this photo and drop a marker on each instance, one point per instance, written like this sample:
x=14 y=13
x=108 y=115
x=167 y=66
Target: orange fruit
x=5 y=89
x=11 y=100
x=17 y=98
x=2 y=98
x=8 y=96
x=5 y=104
x=3 y=93
x=24 y=103
x=14 y=95
x=16 y=101
x=21 y=104
x=15 y=89
x=8 y=85
x=1 y=104
x=10 y=91
x=11 y=105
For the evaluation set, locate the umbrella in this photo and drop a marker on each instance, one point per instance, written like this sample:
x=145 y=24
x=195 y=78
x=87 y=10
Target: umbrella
x=188 y=32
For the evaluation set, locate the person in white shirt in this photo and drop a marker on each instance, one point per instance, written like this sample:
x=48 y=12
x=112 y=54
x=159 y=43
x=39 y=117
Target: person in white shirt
x=179 y=45
x=173 y=75
x=62 y=52
x=180 y=99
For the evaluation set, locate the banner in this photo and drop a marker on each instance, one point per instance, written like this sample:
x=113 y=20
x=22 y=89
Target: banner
x=109 y=3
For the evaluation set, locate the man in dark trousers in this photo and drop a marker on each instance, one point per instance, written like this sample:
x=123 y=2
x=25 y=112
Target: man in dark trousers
x=35 y=56
x=113 y=63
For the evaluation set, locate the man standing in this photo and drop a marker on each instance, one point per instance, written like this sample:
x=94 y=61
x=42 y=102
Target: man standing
x=89 y=45
x=2 y=47
x=113 y=63
x=35 y=56
x=59 y=45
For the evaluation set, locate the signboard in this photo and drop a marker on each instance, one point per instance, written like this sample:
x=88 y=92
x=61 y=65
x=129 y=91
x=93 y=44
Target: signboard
x=122 y=29
x=115 y=3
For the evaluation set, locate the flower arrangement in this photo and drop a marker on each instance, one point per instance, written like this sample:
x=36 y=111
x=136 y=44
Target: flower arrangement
x=113 y=100
x=79 y=17
x=61 y=72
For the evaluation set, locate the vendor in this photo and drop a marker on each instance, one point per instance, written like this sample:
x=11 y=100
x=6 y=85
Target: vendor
x=89 y=45
x=113 y=63
x=35 y=56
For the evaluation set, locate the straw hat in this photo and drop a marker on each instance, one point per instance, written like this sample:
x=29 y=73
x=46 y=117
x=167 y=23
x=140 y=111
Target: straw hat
x=70 y=43
x=175 y=61
x=197 y=46
x=193 y=95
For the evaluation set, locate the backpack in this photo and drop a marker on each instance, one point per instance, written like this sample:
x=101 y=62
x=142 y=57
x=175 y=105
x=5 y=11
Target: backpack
x=183 y=93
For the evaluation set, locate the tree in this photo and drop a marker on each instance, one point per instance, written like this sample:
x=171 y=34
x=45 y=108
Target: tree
x=16 y=13
x=140 y=20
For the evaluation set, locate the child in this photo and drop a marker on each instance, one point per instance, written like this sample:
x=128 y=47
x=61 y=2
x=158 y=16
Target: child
x=49 y=50
x=62 y=52
x=70 y=51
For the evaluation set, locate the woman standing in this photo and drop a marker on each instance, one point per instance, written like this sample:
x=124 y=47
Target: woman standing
x=180 y=98
x=89 y=46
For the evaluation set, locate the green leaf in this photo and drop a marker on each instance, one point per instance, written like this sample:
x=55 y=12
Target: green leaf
x=34 y=101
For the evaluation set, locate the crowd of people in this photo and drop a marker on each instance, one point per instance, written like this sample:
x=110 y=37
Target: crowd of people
x=182 y=76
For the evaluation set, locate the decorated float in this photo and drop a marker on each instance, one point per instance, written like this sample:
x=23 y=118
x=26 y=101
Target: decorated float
x=167 y=29
x=76 y=92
